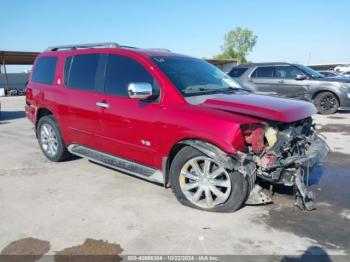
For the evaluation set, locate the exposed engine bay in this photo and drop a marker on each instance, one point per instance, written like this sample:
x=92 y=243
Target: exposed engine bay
x=283 y=153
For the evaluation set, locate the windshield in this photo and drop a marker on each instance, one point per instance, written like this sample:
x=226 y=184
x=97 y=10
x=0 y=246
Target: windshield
x=193 y=76
x=310 y=71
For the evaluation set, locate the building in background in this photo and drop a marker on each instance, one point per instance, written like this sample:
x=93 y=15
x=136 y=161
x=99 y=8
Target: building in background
x=224 y=64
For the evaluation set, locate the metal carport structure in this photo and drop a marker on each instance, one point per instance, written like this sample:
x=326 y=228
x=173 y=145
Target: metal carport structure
x=15 y=58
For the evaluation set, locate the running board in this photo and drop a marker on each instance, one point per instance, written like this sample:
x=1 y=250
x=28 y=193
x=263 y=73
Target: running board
x=117 y=163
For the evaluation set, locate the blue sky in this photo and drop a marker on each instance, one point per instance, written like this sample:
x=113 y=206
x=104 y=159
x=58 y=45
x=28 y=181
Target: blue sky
x=287 y=30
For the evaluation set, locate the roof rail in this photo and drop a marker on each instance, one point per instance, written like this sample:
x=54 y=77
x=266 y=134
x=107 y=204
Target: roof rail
x=128 y=47
x=159 y=49
x=72 y=47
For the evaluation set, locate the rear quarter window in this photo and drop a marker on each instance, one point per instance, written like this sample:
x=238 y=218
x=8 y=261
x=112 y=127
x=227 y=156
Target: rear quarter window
x=237 y=72
x=44 y=70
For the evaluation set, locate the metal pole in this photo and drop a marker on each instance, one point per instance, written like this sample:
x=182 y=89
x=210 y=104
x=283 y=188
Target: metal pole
x=6 y=78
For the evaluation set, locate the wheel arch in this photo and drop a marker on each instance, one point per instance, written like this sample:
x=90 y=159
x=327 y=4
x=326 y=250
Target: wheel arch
x=206 y=147
x=41 y=112
x=314 y=95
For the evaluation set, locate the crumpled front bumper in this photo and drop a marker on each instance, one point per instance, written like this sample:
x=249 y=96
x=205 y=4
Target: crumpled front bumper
x=295 y=172
x=315 y=154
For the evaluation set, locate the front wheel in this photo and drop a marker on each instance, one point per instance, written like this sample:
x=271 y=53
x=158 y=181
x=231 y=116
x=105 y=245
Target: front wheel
x=326 y=103
x=201 y=182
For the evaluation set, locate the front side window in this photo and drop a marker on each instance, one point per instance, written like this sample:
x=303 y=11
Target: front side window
x=44 y=70
x=81 y=71
x=263 y=72
x=120 y=72
x=287 y=72
x=193 y=76
x=309 y=71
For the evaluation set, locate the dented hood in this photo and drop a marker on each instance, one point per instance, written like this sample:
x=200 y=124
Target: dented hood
x=260 y=106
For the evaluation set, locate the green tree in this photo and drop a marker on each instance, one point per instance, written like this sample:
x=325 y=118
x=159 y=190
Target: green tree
x=237 y=44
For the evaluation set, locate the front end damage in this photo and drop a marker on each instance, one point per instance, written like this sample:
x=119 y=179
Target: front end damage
x=281 y=153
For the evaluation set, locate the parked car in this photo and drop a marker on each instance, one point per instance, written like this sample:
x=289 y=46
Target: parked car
x=295 y=81
x=342 y=68
x=329 y=73
x=171 y=119
x=345 y=74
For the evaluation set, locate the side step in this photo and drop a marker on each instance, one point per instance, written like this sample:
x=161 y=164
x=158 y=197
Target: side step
x=117 y=163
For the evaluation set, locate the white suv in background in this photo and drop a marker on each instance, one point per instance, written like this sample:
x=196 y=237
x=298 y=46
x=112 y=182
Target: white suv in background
x=342 y=68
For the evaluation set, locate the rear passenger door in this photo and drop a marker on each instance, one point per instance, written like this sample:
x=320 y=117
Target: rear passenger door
x=82 y=78
x=128 y=126
x=262 y=80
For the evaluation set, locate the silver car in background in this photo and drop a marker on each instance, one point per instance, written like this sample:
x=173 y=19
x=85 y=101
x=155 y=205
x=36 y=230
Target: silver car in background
x=295 y=81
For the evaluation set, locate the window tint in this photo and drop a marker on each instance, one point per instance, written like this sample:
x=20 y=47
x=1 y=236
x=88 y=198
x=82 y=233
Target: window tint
x=289 y=72
x=264 y=71
x=67 y=65
x=44 y=70
x=81 y=74
x=237 y=72
x=120 y=72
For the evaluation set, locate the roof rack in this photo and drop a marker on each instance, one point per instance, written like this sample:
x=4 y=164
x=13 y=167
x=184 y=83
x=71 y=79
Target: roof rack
x=72 y=47
x=105 y=45
x=159 y=49
x=128 y=47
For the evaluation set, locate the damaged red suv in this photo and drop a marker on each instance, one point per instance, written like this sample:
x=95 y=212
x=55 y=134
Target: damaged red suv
x=171 y=119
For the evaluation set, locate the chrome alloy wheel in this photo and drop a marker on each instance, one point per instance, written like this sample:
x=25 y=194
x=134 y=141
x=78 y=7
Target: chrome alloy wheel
x=204 y=182
x=48 y=139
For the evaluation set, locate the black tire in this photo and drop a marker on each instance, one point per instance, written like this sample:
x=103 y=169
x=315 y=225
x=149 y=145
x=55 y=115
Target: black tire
x=239 y=185
x=62 y=152
x=326 y=103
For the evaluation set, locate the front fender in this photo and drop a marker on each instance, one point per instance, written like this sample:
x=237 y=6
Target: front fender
x=211 y=151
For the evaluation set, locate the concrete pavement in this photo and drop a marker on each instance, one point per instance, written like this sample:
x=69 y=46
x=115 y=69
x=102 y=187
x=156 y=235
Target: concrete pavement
x=67 y=203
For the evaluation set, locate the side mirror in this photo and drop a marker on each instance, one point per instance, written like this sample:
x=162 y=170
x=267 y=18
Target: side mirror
x=300 y=77
x=140 y=90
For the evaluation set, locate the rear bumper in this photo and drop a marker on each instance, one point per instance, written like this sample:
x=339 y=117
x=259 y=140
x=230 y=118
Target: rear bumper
x=30 y=113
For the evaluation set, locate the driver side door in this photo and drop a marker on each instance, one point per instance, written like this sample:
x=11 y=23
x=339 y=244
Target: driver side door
x=288 y=84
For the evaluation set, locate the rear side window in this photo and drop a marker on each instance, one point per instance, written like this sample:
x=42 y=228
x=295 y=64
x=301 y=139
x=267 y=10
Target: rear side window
x=120 y=72
x=80 y=71
x=237 y=72
x=44 y=70
x=263 y=72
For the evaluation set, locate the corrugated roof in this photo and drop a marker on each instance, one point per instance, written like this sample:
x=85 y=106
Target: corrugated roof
x=17 y=58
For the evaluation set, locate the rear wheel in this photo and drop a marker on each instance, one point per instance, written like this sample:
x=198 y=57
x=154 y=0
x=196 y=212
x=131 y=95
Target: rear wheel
x=201 y=182
x=50 y=139
x=326 y=103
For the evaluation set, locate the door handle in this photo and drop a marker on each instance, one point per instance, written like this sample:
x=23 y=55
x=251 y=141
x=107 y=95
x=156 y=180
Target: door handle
x=104 y=105
x=281 y=81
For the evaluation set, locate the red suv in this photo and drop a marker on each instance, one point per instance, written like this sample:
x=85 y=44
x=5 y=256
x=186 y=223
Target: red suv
x=171 y=119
